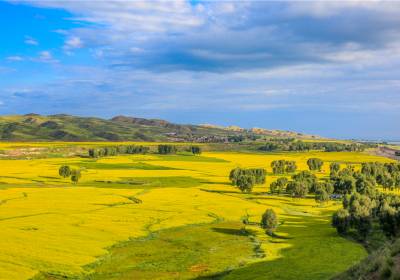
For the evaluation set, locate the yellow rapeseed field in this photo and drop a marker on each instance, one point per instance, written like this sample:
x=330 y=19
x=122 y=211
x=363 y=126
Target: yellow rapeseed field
x=50 y=225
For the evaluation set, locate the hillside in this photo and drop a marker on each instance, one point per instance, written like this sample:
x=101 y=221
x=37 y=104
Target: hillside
x=383 y=263
x=63 y=127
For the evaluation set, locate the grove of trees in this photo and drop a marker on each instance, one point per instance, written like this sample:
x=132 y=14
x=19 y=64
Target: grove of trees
x=245 y=179
x=364 y=208
x=115 y=150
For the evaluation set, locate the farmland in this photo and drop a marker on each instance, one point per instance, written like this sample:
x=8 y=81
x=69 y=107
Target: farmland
x=152 y=216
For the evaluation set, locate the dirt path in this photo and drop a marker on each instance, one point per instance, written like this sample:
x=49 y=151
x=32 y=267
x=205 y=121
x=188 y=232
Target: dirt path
x=386 y=152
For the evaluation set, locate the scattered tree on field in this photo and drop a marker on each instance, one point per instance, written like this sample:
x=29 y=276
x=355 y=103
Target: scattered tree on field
x=315 y=164
x=75 y=176
x=64 y=171
x=269 y=221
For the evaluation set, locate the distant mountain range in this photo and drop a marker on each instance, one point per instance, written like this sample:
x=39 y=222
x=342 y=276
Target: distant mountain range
x=62 y=127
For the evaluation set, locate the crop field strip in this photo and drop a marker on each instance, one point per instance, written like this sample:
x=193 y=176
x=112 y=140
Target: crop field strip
x=54 y=229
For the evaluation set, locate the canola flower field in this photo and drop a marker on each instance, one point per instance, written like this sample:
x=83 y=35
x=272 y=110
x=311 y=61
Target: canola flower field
x=163 y=217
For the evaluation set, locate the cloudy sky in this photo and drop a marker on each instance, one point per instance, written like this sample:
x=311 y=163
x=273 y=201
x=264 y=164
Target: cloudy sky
x=328 y=68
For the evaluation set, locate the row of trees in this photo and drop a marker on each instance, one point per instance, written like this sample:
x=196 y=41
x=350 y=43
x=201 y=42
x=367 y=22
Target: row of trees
x=165 y=149
x=115 y=150
x=298 y=145
x=245 y=179
x=137 y=149
x=65 y=171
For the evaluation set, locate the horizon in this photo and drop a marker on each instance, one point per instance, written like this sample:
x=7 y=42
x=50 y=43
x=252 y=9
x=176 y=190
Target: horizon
x=389 y=140
x=321 y=68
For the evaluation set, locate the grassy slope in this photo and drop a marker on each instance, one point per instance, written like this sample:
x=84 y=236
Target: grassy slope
x=72 y=128
x=66 y=228
x=383 y=263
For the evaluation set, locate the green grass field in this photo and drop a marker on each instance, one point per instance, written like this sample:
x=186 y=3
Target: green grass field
x=163 y=217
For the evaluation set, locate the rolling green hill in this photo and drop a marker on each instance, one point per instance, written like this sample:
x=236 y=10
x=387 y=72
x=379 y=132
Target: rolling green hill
x=61 y=127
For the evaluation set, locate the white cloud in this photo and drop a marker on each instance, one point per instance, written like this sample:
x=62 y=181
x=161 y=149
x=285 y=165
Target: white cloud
x=45 y=57
x=31 y=41
x=15 y=58
x=73 y=43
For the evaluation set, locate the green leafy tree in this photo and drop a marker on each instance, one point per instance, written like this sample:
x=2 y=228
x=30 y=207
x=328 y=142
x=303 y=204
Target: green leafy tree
x=269 y=221
x=64 y=171
x=315 y=164
x=321 y=196
x=297 y=189
x=279 y=185
x=341 y=221
x=291 y=166
x=196 y=150
x=334 y=167
x=167 y=149
x=75 y=176
x=245 y=183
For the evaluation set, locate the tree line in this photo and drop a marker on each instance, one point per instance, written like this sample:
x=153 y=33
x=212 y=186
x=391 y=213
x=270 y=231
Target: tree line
x=162 y=149
x=116 y=150
x=298 y=145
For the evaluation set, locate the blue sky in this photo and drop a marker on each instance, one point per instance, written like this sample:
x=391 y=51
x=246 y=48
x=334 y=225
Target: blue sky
x=328 y=68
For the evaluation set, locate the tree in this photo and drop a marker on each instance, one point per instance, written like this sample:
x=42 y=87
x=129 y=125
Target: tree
x=321 y=196
x=297 y=188
x=75 y=176
x=291 y=167
x=341 y=221
x=365 y=186
x=279 y=185
x=93 y=153
x=196 y=150
x=64 y=171
x=166 y=149
x=315 y=164
x=278 y=166
x=245 y=183
x=334 y=167
x=269 y=221
x=234 y=175
x=345 y=185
